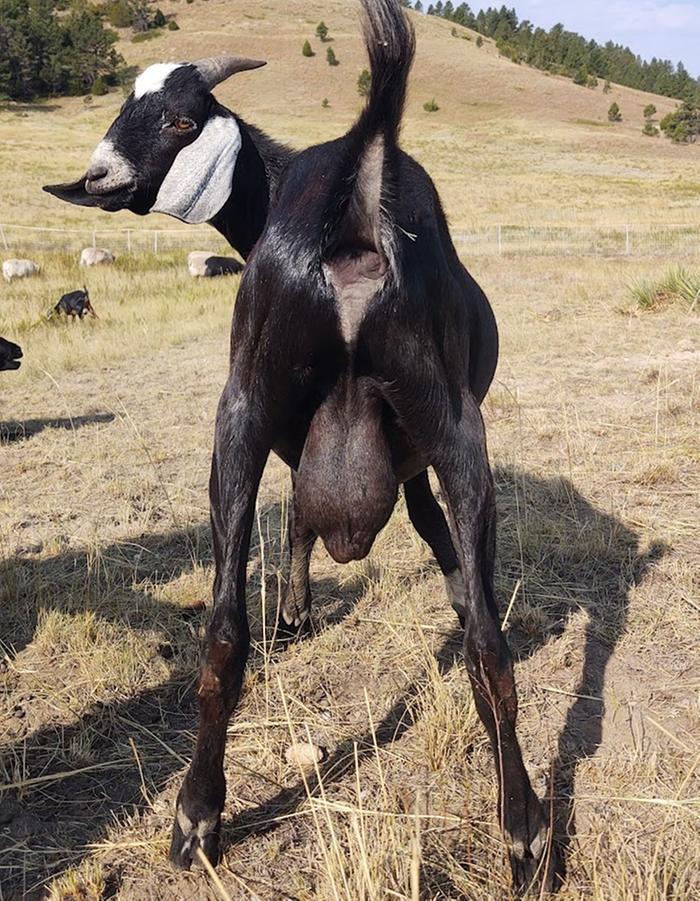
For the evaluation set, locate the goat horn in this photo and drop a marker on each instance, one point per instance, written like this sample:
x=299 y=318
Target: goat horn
x=216 y=69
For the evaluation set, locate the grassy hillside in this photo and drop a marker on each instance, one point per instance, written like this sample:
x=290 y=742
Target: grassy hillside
x=508 y=144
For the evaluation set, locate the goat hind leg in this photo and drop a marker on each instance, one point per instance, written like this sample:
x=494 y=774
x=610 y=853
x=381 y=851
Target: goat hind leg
x=466 y=478
x=296 y=603
x=429 y=521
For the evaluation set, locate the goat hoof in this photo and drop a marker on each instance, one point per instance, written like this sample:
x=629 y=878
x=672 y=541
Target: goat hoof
x=188 y=836
x=293 y=623
x=533 y=856
x=532 y=874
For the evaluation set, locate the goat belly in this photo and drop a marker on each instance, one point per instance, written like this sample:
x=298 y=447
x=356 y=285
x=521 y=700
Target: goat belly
x=346 y=487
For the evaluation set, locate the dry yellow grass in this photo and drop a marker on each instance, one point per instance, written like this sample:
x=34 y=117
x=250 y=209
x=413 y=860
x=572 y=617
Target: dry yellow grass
x=593 y=429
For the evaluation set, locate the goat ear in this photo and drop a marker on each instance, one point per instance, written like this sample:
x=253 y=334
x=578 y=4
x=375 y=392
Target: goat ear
x=199 y=181
x=73 y=193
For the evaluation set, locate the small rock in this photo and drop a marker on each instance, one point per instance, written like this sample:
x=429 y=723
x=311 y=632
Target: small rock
x=25 y=826
x=9 y=808
x=304 y=754
x=166 y=651
x=19 y=712
x=553 y=315
x=35 y=548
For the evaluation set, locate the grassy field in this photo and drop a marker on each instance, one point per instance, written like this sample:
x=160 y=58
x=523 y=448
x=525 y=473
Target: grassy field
x=105 y=557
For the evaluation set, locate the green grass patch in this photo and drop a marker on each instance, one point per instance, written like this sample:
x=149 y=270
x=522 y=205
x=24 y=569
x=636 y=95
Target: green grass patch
x=676 y=287
x=594 y=123
x=149 y=35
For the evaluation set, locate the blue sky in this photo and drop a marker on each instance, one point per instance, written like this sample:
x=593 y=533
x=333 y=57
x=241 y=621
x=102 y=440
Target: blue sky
x=669 y=29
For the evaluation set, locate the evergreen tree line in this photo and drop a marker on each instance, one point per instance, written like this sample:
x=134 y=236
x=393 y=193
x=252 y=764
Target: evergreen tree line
x=568 y=53
x=58 y=47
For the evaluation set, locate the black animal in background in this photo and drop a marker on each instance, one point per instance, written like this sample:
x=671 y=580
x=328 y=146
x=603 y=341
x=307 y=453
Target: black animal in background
x=76 y=304
x=361 y=350
x=10 y=355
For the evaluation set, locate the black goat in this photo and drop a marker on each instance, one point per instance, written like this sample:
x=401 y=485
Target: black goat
x=75 y=304
x=10 y=355
x=360 y=352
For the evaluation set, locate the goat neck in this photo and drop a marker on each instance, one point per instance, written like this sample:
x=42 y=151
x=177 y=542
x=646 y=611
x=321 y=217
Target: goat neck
x=260 y=164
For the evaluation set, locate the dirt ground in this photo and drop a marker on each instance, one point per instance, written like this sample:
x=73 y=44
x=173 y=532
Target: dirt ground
x=106 y=560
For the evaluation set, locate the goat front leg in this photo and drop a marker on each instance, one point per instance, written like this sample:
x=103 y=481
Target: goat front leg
x=429 y=521
x=296 y=603
x=237 y=465
x=468 y=484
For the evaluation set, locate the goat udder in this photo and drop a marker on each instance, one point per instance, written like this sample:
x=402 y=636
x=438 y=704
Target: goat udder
x=345 y=545
x=346 y=487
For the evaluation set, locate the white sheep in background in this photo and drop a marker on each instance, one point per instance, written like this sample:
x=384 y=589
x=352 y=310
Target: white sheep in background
x=19 y=269
x=203 y=264
x=96 y=256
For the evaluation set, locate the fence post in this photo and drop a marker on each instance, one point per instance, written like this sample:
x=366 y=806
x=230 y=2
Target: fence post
x=628 y=243
x=128 y=240
x=155 y=242
x=4 y=239
x=500 y=241
x=94 y=238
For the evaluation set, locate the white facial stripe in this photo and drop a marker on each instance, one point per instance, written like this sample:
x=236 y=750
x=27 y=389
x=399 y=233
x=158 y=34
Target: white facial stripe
x=120 y=172
x=153 y=79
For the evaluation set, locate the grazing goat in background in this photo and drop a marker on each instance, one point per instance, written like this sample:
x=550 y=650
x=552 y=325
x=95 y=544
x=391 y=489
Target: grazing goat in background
x=19 y=269
x=76 y=304
x=96 y=256
x=360 y=352
x=202 y=264
x=10 y=355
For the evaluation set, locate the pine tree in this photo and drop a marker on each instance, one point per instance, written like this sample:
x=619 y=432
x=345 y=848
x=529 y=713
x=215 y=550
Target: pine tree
x=364 y=83
x=581 y=76
x=306 y=49
x=649 y=111
x=330 y=57
x=322 y=31
x=683 y=125
x=42 y=53
x=614 y=113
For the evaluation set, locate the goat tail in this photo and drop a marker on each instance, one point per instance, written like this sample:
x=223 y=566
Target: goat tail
x=391 y=45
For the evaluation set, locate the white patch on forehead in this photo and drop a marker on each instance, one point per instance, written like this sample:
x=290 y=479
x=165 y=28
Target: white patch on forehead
x=153 y=79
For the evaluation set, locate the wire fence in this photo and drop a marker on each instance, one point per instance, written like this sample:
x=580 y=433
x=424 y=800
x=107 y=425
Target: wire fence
x=27 y=238
x=581 y=240
x=550 y=240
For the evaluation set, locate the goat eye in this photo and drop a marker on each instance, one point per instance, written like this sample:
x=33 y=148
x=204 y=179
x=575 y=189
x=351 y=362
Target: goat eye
x=182 y=124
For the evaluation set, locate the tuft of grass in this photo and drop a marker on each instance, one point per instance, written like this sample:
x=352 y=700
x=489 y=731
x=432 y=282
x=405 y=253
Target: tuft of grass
x=143 y=36
x=676 y=287
x=84 y=883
